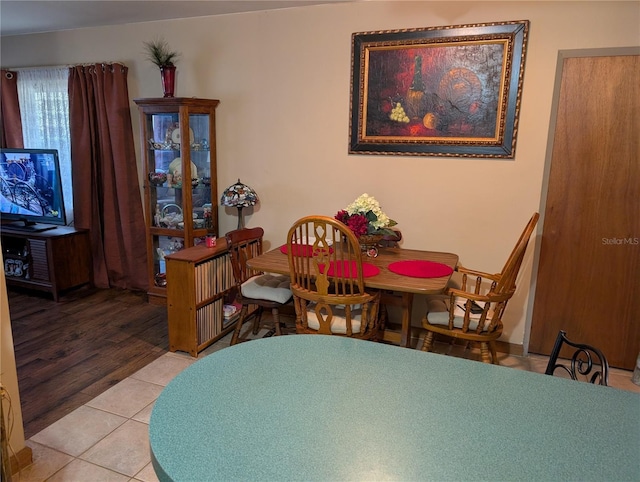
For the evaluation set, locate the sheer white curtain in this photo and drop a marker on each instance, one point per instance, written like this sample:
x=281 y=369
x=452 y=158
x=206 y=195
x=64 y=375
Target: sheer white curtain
x=44 y=110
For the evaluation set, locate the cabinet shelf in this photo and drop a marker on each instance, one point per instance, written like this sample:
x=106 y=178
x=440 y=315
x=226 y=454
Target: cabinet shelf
x=199 y=282
x=173 y=149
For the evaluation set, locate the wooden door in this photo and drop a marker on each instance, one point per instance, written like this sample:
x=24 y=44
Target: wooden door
x=588 y=279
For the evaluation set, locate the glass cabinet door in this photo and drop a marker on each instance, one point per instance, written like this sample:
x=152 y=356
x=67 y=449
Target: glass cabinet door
x=179 y=190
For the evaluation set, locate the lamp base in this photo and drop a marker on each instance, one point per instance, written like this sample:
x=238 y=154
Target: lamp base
x=240 y=219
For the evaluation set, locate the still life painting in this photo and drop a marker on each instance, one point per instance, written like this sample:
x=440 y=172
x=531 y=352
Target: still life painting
x=444 y=91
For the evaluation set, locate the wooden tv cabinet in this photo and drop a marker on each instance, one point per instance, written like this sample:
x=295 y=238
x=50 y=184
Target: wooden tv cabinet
x=53 y=261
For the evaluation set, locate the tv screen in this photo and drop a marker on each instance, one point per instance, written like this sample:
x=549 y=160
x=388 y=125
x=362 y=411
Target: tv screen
x=31 y=189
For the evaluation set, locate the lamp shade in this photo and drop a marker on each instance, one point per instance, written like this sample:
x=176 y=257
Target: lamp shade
x=239 y=196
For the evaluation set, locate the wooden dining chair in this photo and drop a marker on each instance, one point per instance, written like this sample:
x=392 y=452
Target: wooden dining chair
x=255 y=291
x=327 y=280
x=473 y=312
x=587 y=363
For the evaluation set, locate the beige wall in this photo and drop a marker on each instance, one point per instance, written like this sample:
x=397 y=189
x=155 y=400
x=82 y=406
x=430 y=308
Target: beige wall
x=283 y=80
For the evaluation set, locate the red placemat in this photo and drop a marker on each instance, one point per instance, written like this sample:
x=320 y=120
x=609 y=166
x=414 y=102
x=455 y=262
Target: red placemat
x=349 y=267
x=305 y=250
x=420 y=269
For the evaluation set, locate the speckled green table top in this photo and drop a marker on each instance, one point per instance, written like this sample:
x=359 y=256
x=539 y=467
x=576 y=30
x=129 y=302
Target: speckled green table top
x=312 y=407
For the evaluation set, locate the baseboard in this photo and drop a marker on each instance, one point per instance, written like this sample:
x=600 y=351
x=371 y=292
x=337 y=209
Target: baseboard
x=21 y=460
x=509 y=348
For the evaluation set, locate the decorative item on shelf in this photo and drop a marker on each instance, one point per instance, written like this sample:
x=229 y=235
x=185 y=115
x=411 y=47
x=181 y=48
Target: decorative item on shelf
x=239 y=196
x=211 y=241
x=159 y=53
x=198 y=223
x=172 y=138
x=174 y=175
x=368 y=222
x=157 y=178
x=16 y=267
x=160 y=280
x=206 y=214
x=170 y=216
x=158 y=145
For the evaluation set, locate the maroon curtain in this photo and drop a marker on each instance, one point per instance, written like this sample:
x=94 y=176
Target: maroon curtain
x=10 y=123
x=105 y=177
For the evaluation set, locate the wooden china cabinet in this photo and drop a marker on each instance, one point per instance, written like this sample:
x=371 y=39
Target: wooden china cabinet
x=178 y=143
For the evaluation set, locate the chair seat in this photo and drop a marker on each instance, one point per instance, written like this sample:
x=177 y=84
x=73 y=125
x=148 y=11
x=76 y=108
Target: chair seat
x=339 y=320
x=438 y=314
x=267 y=287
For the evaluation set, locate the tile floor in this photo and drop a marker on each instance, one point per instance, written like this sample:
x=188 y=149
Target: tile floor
x=107 y=440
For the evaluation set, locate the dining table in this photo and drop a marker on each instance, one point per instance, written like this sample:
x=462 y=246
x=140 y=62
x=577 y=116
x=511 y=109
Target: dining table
x=403 y=286
x=330 y=408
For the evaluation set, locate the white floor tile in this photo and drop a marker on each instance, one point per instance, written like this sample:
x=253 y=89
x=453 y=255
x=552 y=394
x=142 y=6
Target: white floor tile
x=126 y=450
x=46 y=462
x=76 y=432
x=79 y=470
x=145 y=414
x=127 y=397
x=164 y=369
x=147 y=474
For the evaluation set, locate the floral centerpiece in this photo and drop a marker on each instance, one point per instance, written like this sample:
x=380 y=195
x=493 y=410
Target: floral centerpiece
x=365 y=218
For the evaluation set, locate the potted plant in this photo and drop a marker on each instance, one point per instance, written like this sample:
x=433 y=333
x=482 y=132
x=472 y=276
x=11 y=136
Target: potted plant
x=159 y=53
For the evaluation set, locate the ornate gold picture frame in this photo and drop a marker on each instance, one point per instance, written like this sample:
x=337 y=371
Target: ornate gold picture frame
x=438 y=91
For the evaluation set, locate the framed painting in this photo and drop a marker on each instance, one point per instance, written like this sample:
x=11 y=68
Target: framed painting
x=438 y=91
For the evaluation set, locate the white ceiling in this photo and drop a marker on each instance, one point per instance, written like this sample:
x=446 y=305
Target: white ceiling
x=27 y=16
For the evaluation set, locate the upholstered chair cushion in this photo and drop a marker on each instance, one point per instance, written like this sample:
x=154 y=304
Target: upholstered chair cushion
x=438 y=314
x=339 y=320
x=267 y=287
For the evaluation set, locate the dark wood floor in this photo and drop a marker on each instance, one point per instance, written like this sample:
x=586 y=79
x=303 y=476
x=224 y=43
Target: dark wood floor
x=69 y=352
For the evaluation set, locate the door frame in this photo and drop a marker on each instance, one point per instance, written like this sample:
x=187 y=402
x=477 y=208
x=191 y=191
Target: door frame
x=562 y=55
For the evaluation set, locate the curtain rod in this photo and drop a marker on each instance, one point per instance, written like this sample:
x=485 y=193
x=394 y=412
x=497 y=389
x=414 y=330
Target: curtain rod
x=67 y=66
x=40 y=67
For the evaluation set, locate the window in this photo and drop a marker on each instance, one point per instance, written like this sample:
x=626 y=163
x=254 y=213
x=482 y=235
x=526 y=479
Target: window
x=44 y=110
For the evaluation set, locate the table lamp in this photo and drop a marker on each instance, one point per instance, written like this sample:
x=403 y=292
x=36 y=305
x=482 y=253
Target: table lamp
x=239 y=196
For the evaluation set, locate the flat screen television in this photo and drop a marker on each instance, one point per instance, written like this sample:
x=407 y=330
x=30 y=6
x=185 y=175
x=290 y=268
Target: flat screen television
x=31 y=196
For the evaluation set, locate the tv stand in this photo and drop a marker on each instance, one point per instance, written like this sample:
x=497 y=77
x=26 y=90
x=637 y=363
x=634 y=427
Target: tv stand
x=27 y=227
x=54 y=260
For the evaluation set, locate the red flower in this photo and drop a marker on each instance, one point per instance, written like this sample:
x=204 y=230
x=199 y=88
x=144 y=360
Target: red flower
x=358 y=224
x=342 y=216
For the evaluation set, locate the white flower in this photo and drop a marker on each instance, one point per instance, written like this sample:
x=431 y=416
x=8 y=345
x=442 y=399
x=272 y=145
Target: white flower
x=370 y=207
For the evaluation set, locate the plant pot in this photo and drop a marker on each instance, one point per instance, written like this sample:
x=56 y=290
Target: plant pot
x=168 y=74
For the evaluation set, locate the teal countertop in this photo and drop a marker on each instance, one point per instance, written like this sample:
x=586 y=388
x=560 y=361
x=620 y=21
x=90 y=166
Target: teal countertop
x=313 y=407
